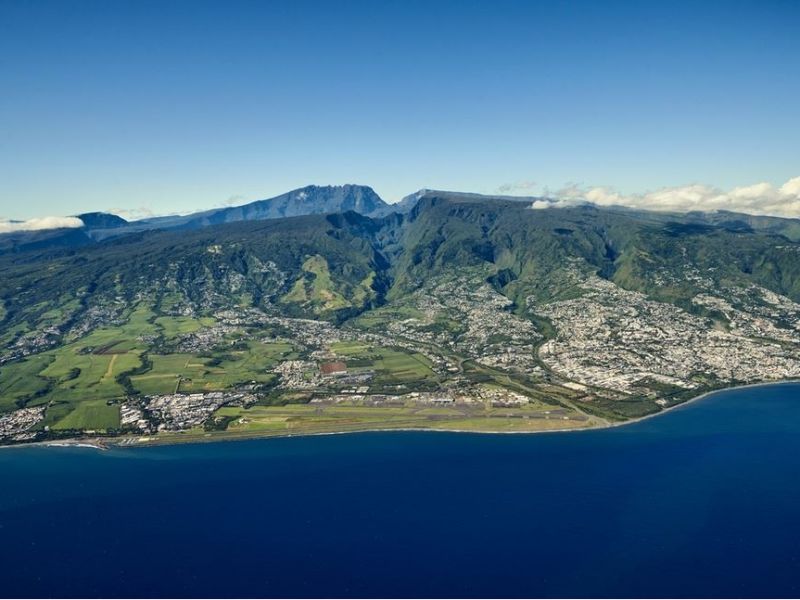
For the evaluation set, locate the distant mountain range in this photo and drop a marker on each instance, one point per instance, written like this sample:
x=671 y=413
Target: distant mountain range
x=604 y=312
x=309 y=200
x=426 y=234
x=317 y=200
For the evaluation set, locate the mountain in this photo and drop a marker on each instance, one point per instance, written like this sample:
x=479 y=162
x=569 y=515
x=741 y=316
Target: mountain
x=309 y=200
x=523 y=250
x=409 y=202
x=627 y=246
x=101 y=220
x=598 y=313
x=54 y=239
x=731 y=220
x=93 y=224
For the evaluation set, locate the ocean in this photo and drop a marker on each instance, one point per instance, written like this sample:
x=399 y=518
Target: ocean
x=703 y=501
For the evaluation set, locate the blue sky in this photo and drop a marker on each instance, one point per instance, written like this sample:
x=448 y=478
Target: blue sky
x=178 y=106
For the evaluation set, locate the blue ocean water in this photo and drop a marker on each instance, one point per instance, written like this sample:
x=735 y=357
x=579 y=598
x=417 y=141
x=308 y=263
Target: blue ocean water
x=703 y=501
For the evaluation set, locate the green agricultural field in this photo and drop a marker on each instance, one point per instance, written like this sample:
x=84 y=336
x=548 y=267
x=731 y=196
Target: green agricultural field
x=92 y=414
x=21 y=380
x=200 y=374
x=392 y=365
x=123 y=338
x=386 y=314
x=87 y=370
x=56 y=315
x=350 y=348
x=81 y=377
x=400 y=366
x=163 y=377
x=175 y=326
x=82 y=371
x=109 y=341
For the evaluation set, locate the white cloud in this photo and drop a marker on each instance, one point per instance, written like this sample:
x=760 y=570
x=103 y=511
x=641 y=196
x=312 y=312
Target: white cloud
x=40 y=223
x=517 y=186
x=791 y=187
x=131 y=214
x=757 y=199
x=234 y=200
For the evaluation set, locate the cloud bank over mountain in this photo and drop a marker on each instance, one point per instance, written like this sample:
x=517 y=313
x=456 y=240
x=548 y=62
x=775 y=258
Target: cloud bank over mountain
x=757 y=199
x=40 y=223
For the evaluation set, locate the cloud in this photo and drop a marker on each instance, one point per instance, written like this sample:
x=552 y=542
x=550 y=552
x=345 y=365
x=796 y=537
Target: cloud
x=39 y=224
x=132 y=214
x=757 y=199
x=517 y=186
x=234 y=200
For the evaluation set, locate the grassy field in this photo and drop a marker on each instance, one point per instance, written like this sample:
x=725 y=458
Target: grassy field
x=392 y=365
x=56 y=314
x=350 y=348
x=123 y=338
x=172 y=327
x=162 y=378
x=92 y=414
x=81 y=377
x=77 y=379
x=386 y=314
x=21 y=380
x=199 y=374
x=399 y=366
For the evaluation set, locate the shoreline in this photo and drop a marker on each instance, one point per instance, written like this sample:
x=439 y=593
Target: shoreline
x=117 y=442
x=702 y=397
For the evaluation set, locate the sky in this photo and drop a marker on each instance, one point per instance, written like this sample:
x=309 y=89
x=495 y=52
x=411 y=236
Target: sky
x=160 y=107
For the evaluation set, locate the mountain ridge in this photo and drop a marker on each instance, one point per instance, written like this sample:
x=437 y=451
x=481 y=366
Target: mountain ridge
x=314 y=199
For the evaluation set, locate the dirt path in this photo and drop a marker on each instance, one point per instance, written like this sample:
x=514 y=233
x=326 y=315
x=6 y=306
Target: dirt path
x=110 y=369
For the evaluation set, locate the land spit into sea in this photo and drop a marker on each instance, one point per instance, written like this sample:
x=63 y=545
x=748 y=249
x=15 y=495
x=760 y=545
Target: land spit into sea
x=105 y=443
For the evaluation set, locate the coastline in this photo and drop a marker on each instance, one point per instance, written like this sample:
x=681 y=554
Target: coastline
x=701 y=397
x=110 y=443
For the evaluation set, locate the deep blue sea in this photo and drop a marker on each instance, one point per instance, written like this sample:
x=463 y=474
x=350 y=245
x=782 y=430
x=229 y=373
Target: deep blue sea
x=703 y=501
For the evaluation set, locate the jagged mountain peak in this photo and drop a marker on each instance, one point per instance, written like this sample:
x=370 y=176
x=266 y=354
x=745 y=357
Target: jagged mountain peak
x=311 y=199
x=96 y=220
